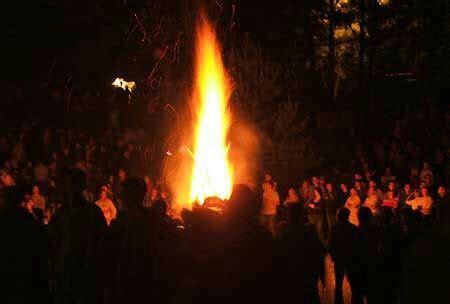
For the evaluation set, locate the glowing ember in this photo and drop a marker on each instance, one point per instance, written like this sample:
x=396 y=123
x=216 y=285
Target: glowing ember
x=212 y=174
x=124 y=85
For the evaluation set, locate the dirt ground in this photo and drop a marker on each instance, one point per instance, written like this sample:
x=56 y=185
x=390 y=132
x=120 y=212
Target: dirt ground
x=327 y=292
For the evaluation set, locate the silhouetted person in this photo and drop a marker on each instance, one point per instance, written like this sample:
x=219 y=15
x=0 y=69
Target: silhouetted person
x=331 y=204
x=166 y=252
x=344 y=249
x=248 y=251
x=300 y=256
x=23 y=254
x=369 y=240
x=77 y=239
x=391 y=255
x=141 y=238
x=230 y=256
x=425 y=275
x=442 y=209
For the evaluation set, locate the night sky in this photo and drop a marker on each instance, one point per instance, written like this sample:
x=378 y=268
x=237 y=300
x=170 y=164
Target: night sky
x=70 y=33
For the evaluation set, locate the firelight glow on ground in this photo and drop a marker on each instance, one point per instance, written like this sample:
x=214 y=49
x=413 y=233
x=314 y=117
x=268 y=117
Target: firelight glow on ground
x=212 y=172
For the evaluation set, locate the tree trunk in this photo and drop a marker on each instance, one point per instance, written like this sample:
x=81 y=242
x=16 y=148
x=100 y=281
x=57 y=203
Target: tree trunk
x=309 y=41
x=331 y=55
x=362 y=40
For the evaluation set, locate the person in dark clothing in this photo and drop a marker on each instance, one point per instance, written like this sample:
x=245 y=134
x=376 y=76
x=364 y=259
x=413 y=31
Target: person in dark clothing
x=131 y=235
x=77 y=237
x=23 y=258
x=425 y=275
x=343 y=193
x=300 y=256
x=442 y=209
x=391 y=255
x=166 y=251
x=369 y=240
x=230 y=256
x=248 y=254
x=344 y=249
x=117 y=187
x=316 y=214
x=145 y=252
x=331 y=204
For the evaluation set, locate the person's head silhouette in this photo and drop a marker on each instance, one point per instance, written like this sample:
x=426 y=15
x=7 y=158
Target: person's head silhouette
x=343 y=215
x=133 y=192
x=364 y=216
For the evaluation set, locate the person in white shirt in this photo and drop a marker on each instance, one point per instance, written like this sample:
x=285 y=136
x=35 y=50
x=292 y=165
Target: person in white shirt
x=268 y=212
x=107 y=206
x=423 y=203
x=353 y=203
x=38 y=198
x=372 y=201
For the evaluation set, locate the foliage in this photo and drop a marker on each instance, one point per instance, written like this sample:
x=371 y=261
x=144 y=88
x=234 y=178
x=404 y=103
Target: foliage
x=281 y=123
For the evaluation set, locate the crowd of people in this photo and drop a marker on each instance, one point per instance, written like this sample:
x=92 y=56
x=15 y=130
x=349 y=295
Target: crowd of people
x=84 y=222
x=38 y=162
x=368 y=230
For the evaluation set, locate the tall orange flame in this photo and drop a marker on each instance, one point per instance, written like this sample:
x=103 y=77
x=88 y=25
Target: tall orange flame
x=212 y=172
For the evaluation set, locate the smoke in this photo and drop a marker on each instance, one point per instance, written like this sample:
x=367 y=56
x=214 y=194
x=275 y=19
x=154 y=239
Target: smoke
x=244 y=152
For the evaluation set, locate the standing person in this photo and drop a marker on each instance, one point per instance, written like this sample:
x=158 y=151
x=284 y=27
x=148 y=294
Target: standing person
x=107 y=206
x=390 y=256
x=426 y=175
x=405 y=194
x=302 y=264
x=38 y=198
x=344 y=249
x=322 y=184
x=352 y=204
x=306 y=192
x=372 y=202
x=23 y=256
x=77 y=239
x=387 y=177
x=292 y=198
x=358 y=186
x=331 y=204
x=414 y=178
x=316 y=215
x=269 y=179
x=373 y=185
x=316 y=183
x=442 y=208
x=270 y=201
x=247 y=258
x=131 y=233
x=117 y=186
x=149 y=185
x=343 y=193
x=370 y=237
x=393 y=188
x=390 y=200
x=423 y=203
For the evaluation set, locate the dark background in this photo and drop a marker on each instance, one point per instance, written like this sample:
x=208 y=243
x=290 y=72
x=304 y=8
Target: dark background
x=60 y=57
